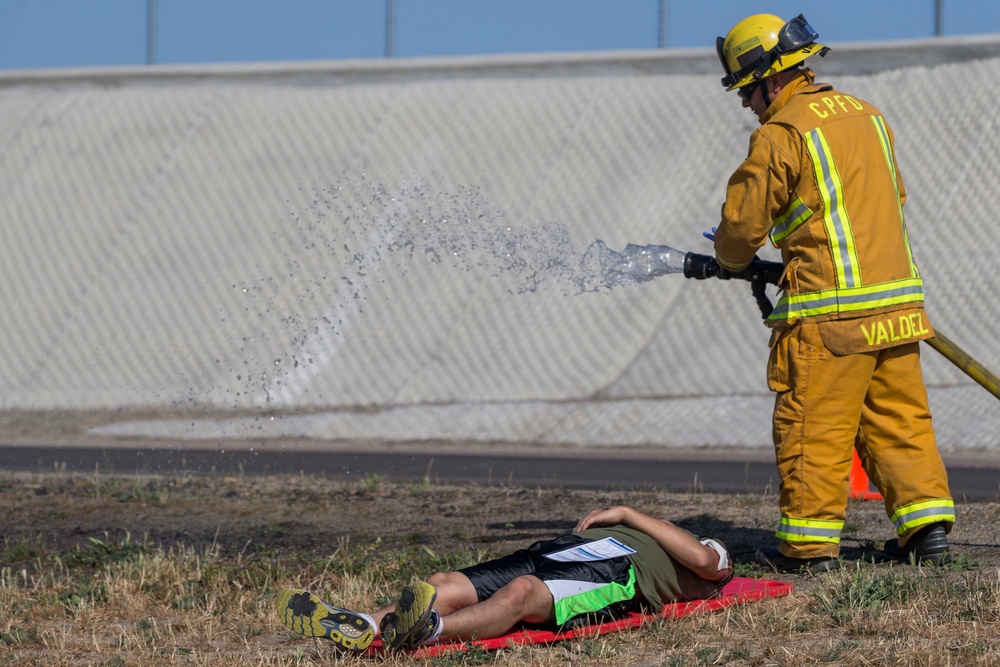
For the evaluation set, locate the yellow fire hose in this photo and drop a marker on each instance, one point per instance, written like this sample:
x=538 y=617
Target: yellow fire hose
x=965 y=363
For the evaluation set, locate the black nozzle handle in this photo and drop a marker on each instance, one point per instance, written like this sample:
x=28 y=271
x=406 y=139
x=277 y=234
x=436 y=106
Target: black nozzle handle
x=759 y=273
x=760 y=296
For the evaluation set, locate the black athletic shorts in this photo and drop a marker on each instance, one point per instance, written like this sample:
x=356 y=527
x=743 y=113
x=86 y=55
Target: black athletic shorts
x=583 y=592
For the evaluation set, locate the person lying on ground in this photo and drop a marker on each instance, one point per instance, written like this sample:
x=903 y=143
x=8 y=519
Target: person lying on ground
x=615 y=561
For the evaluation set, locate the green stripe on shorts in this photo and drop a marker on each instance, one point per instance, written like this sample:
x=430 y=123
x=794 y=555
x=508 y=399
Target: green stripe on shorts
x=595 y=600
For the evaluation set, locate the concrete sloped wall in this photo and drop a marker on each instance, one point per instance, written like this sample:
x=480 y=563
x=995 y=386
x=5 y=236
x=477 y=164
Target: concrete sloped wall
x=399 y=246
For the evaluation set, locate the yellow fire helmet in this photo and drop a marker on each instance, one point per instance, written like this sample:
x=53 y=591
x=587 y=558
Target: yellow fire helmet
x=764 y=44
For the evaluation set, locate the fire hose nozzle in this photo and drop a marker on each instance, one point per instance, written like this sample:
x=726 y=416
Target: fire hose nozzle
x=702 y=267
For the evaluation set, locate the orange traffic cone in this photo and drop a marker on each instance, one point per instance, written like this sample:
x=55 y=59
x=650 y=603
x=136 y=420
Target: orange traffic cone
x=860 y=486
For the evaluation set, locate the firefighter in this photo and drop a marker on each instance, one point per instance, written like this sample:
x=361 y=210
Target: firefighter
x=821 y=182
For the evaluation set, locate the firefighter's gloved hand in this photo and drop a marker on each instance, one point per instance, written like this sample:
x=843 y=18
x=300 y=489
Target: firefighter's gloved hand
x=710 y=235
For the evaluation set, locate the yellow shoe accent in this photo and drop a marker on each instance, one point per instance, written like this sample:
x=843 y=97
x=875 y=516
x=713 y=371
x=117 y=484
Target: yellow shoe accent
x=307 y=615
x=400 y=628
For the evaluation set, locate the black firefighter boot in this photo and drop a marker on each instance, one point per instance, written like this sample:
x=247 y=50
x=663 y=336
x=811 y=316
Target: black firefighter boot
x=928 y=545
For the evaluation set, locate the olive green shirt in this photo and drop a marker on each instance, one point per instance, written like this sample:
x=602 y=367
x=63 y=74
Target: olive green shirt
x=659 y=577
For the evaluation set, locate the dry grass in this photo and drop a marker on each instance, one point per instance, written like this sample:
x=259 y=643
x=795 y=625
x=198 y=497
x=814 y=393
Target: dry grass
x=128 y=601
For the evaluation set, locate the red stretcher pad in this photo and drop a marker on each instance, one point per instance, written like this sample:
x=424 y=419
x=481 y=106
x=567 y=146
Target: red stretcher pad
x=737 y=591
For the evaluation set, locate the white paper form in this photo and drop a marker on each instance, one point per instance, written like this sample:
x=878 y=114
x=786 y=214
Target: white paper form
x=604 y=549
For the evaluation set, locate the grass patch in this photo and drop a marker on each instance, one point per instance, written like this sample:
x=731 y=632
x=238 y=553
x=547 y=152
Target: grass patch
x=170 y=602
x=97 y=552
x=20 y=549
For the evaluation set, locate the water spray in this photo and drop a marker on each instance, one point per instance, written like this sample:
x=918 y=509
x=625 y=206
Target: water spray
x=641 y=263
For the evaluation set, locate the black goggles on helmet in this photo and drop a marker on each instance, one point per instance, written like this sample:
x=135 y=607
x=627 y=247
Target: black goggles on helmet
x=794 y=35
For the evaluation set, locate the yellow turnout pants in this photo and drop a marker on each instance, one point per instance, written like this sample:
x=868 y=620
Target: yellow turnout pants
x=826 y=405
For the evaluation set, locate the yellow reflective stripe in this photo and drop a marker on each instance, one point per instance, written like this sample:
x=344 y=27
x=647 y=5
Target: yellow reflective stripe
x=923 y=513
x=784 y=225
x=835 y=218
x=809 y=530
x=825 y=302
x=883 y=136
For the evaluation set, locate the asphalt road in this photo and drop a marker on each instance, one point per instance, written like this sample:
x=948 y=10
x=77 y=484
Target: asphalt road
x=725 y=474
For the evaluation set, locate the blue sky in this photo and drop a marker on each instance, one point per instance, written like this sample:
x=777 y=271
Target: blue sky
x=87 y=33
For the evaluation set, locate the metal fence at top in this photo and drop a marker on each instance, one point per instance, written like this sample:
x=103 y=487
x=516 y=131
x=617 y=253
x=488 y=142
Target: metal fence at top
x=397 y=248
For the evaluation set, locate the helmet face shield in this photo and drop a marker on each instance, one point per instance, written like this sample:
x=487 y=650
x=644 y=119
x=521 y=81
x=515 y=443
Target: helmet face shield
x=719 y=43
x=796 y=34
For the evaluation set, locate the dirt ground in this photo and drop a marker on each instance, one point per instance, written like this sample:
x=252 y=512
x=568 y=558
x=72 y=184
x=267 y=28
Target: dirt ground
x=302 y=513
x=308 y=515
x=310 y=519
